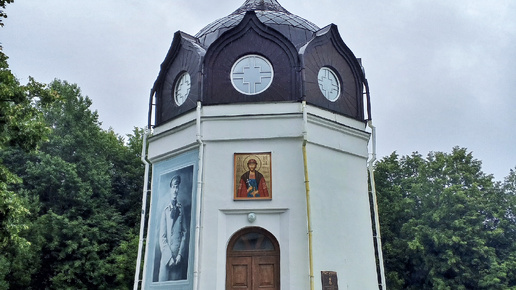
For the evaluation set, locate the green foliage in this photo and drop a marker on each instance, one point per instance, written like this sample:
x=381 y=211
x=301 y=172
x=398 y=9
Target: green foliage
x=121 y=263
x=22 y=127
x=69 y=191
x=21 y=122
x=83 y=189
x=13 y=211
x=445 y=224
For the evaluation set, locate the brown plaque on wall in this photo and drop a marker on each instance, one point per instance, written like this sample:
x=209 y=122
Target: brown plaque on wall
x=329 y=280
x=252 y=176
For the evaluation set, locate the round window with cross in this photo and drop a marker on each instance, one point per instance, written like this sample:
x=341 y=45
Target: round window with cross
x=182 y=88
x=252 y=74
x=329 y=84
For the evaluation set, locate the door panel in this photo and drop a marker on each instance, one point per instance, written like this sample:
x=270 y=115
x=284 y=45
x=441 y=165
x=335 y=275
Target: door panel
x=239 y=273
x=265 y=272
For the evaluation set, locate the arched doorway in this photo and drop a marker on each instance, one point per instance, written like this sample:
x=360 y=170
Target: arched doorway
x=253 y=260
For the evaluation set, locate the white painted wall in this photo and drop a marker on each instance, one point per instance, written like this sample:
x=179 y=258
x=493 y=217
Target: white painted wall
x=341 y=221
x=337 y=155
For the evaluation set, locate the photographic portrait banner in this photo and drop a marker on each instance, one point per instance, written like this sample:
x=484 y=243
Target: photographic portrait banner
x=171 y=233
x=252 y=176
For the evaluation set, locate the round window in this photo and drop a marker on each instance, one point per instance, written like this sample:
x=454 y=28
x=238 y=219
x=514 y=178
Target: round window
x=182 y=88
x=251 y=74
x=329 y=84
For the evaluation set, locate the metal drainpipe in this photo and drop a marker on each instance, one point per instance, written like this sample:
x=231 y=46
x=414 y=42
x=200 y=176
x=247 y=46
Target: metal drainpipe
x=308 y=206
x=378 y=237
x=199 y=199
x=144 y=207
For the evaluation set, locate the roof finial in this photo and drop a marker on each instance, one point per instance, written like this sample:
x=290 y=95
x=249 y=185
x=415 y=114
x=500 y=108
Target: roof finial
x=260 y=5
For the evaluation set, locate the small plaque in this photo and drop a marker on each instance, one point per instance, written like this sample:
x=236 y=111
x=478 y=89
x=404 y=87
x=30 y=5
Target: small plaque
x=329 y=280
x=252 y=176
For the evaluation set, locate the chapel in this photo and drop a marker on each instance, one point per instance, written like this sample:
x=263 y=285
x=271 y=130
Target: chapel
x=259 y=152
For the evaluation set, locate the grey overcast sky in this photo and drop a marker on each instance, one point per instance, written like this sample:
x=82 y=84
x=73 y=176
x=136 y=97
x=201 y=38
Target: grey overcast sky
x=442 y=73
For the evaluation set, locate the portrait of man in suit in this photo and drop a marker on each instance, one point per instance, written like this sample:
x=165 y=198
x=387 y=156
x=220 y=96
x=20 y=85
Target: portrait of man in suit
x=171 y=233
x=173 y=236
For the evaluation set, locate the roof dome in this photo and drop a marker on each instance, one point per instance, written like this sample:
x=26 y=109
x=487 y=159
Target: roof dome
x=298 y=30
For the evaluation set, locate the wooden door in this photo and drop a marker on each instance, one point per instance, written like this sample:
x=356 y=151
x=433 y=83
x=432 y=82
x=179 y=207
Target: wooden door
x=253 y=261
x=240 y=272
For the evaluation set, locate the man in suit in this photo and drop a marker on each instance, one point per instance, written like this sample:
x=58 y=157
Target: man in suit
x=172 y=237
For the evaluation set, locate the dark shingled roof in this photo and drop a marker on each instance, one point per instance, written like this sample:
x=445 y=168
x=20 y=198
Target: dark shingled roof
x=271 y=13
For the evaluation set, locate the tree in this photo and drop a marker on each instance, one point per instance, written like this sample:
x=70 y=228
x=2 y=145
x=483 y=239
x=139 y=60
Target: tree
x=445 y=223
x=22 y=127
x=83 y=188
x=68 y=211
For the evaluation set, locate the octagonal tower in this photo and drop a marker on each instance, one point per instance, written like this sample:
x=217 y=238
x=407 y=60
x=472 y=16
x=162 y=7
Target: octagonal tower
x=259 y=158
